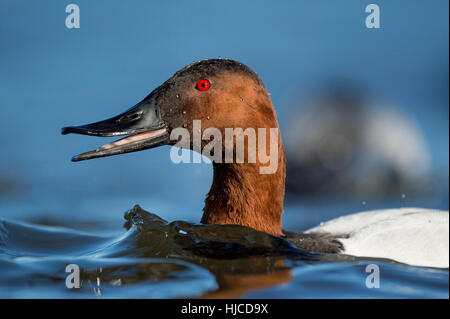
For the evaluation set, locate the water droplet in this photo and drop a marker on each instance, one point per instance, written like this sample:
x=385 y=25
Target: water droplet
x=178 y=96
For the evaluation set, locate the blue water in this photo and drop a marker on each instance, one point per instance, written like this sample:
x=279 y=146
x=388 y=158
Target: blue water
x=156 y=259
x=51 y=76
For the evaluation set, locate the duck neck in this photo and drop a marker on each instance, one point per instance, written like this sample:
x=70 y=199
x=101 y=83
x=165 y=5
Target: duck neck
x=240 y=195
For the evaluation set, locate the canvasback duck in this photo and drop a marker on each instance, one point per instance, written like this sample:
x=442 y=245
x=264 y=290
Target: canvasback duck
x=222 y=94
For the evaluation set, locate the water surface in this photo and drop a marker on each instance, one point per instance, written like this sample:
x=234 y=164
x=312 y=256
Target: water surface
x=152 y=258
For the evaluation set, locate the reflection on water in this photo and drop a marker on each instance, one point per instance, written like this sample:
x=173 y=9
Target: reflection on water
x=157 y=259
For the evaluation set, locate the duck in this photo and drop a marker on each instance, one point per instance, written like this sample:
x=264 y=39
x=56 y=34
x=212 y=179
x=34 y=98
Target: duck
x=224 y=93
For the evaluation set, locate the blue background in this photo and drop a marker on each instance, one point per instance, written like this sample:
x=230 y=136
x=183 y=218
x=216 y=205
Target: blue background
x=51 y=76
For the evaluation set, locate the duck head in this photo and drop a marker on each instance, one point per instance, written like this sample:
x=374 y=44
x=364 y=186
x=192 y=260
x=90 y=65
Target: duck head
x=223 y=94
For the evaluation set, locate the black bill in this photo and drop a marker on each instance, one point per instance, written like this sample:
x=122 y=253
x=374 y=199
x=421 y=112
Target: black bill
x=142 y=124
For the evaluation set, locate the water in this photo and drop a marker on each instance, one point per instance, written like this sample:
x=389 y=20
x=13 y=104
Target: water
x=56 y=213
x=156 y=259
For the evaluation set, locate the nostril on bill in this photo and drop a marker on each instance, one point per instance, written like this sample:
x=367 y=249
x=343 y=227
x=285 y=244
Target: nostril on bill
x=130 y=117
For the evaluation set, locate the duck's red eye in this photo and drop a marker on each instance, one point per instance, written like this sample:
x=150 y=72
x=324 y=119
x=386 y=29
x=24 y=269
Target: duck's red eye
x=203 y=85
